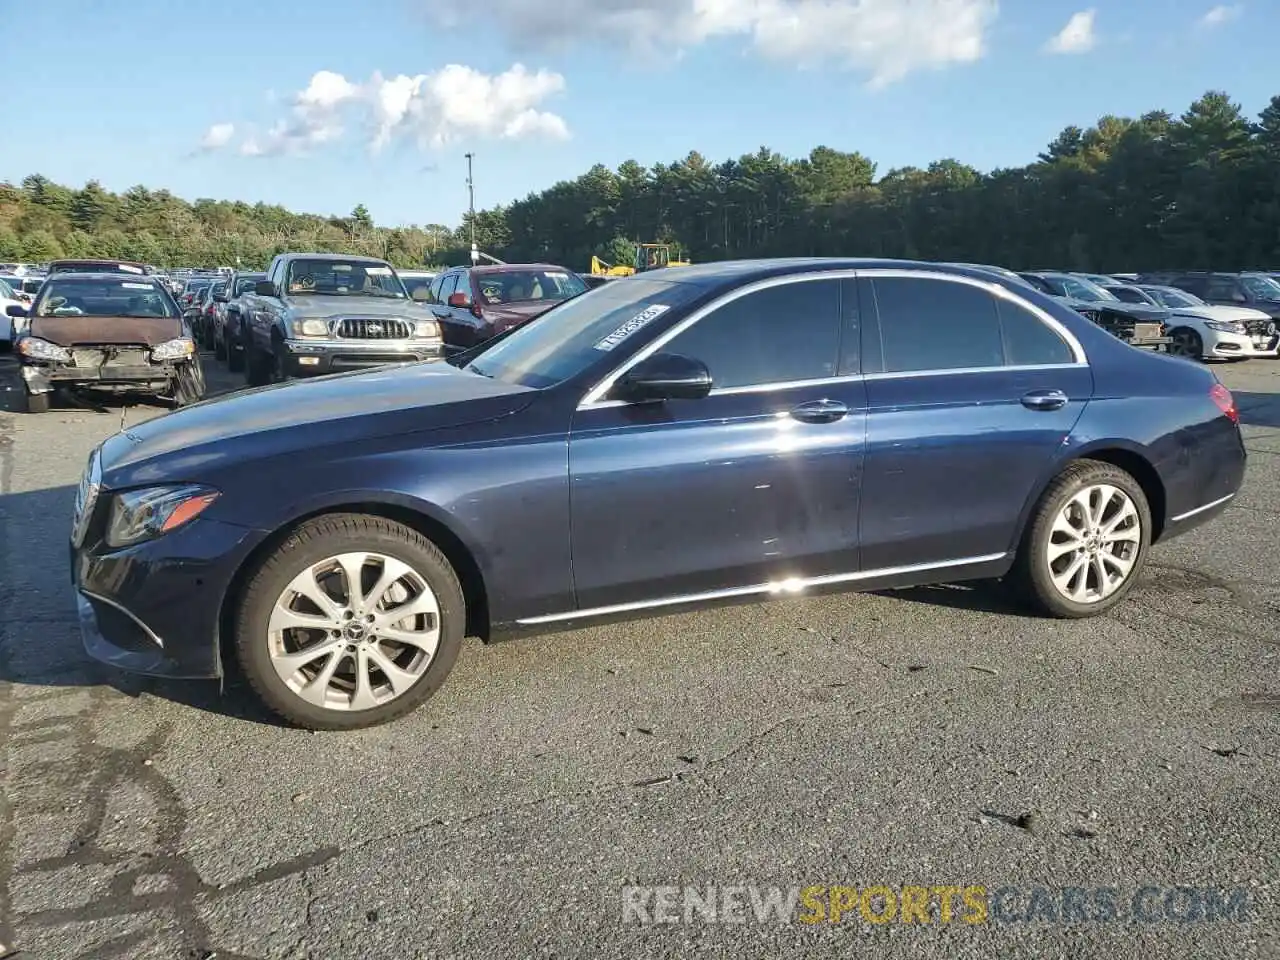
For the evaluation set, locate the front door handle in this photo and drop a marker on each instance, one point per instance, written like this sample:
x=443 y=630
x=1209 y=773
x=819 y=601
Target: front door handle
x=820 y=411
x=1045 y=400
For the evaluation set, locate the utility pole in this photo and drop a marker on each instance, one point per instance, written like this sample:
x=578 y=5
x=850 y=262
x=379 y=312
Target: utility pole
x=471 y=206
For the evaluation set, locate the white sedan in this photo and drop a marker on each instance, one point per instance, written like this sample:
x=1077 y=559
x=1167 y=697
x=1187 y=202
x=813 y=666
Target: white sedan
x=9 y=328
x=1204 y=331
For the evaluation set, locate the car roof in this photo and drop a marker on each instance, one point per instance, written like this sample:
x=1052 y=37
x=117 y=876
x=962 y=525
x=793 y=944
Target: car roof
x=101 y=275
x=336 y=257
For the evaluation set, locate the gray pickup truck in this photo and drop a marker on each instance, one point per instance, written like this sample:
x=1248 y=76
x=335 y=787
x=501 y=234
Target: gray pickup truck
x=319 y=313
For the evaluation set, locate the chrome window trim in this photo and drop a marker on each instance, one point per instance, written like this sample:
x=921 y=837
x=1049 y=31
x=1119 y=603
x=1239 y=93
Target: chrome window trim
x=595 y=397
x=789 y=586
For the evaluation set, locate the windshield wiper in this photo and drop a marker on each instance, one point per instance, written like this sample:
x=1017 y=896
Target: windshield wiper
x=472 y=368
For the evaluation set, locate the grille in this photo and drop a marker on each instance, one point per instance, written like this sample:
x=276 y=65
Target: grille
x=110 y=356
x=371 y=328
x=1260 y=328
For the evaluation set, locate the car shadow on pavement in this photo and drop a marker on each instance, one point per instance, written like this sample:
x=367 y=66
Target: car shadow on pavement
x=1258 y=409
x=978 y=596
x=40 y=642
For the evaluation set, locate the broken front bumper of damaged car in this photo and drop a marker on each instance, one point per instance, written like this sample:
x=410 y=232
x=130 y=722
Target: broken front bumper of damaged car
x=1242 y=345
x=46 y=377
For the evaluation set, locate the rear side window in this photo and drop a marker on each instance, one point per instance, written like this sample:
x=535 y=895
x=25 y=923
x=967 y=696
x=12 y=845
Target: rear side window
x=1197 y=285
x=928 y=324
x=1028 y=340
x=779 y=334
x=1222 y=288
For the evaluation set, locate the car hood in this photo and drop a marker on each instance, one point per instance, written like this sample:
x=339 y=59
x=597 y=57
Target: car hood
x=355 y=306
x=71 y=331
x=1222 y=313
x=301 y=415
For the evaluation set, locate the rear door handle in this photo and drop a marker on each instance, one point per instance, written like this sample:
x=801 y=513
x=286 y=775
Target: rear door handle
x=820 y=411
x=1045 y=400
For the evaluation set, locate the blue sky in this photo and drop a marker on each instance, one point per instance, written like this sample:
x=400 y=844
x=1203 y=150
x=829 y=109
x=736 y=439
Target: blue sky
x=127 y=91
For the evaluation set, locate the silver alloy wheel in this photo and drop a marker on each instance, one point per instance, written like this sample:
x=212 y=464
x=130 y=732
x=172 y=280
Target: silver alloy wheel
x=1186 y=344
x=354 y=631
x=1094 y=544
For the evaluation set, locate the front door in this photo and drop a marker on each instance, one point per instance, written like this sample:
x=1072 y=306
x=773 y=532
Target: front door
x=756 y=483
x=969 y=398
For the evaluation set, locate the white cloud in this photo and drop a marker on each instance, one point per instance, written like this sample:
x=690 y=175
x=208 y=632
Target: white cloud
x=217 y=136
x=887 y=39
x=431 y=108
x=1221 y=14
x=1077 y=36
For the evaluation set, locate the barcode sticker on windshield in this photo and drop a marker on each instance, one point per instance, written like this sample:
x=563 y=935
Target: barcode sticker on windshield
x=378 y=271
x=128 y=269
x=638 y=322
x=557 y=275
x=137 y=286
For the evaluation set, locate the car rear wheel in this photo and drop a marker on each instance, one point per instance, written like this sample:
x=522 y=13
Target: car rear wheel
x=235 y=357
x=1086 y=543
x=257 y=366
x=1186 y=343
x=353 y=621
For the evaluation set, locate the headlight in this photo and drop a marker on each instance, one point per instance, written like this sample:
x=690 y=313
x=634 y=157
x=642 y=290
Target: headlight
x=37 y=349
x=426 y=329
x=310 y=328
x=174 y=349
x=1225 y=326
x=138 y=515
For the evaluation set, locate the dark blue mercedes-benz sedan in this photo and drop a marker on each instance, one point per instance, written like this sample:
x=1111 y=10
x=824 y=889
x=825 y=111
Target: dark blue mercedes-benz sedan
x=694 y=434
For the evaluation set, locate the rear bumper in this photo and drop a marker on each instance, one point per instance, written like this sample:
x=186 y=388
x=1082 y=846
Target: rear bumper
x=307 y=358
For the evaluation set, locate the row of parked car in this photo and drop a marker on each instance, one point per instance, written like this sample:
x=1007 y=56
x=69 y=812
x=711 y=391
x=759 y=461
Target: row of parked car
x=1203 y=315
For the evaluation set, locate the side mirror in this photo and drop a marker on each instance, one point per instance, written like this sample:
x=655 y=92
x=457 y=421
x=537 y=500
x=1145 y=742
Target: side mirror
x=664 y=376
x=458 y=300
x=264 y=288
x=13 y=310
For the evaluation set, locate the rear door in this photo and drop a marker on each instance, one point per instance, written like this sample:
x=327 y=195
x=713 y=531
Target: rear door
x=756 y=483
x=970 y=395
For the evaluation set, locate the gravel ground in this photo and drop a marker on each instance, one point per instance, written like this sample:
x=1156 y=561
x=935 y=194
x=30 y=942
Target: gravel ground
x=928 y=736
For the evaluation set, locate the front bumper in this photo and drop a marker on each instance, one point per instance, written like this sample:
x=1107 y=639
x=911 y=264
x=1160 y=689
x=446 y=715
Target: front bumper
x=44 y=377
x=311 y=358
x=155 y=608
x=1241 y=345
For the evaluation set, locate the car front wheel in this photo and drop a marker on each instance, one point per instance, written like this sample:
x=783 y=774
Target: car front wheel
x=352 y=621
x=1086 y=543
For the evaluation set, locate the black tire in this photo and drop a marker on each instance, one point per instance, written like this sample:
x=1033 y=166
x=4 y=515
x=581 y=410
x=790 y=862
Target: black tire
x=1186 y=343
x=38 y=402
x=309 y=544
x=235 y=359
x=279 y=363
x=189 y=386
x=257 y=366
x=219 y=347
x=1031 y=578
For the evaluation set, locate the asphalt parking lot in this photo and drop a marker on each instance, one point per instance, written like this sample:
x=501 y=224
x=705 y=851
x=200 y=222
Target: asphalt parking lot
x=930 y=736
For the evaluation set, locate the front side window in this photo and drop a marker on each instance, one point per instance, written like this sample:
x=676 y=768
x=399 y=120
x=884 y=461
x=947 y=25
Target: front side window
x=338 y=278
x=1080 y=289
x=780 y=334
x=1261 y=288
x=102 y=298
x=928 y=324
x=1130 y=295
x=1221 y=288
x=246 y=284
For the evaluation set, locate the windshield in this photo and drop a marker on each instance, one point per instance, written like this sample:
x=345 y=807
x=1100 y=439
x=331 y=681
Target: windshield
x=569 y=338
x=1080 y=289
x=245 y=284
x=338 y=278
x=1261 y=288
x=517 y=286
x=416 y=282
x=102 y=298
x=1175 y=298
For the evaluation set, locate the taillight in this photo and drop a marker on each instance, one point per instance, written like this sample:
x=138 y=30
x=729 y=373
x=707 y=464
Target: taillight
x=1225 y=402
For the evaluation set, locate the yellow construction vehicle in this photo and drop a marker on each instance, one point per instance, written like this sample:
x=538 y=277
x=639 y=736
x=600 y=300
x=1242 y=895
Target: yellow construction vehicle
x=647 y=256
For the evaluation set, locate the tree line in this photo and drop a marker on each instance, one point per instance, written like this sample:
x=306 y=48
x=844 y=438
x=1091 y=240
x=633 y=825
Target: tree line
x=1201 y=189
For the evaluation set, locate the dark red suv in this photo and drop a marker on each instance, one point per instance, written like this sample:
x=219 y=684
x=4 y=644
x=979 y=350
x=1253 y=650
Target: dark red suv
x=474 y=304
